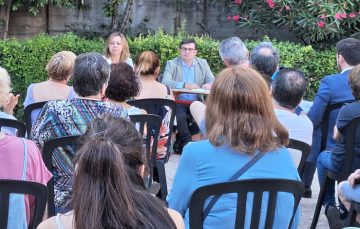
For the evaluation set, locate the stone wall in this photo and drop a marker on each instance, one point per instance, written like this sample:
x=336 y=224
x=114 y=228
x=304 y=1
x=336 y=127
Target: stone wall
x=147 y=15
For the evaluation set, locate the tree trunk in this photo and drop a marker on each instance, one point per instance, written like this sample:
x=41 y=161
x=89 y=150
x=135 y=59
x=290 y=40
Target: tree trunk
x=114 y=24
x=4 y=18
x=126 y=17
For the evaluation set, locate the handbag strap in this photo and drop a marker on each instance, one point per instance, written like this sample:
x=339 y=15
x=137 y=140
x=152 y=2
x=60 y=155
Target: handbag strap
x=241 y=171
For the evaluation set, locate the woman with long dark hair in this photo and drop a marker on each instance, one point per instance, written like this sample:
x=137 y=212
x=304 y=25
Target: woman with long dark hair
x=108 y=190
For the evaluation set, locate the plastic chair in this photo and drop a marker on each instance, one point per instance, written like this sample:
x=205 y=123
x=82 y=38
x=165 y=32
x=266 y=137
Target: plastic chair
x=37 y=190
x=154 y=106
x=304 y=149
x=47 y=154
x=152 y=124
x=241 y=188
x=16 y=124
x=347 y=167
x=325 y=121
x=28 y=111
x=353 y=211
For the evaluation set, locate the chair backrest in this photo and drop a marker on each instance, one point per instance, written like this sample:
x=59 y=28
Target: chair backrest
x=325 y=122
x=305 y=150
x=351 y=130
x=47 y=154
x=154 y=106
x=16 y=124
x=241 y=188
x=37 y=190
x=28 y=111
x=149 y=127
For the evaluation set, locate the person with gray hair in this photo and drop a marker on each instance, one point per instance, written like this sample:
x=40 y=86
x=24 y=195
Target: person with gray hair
x=265 y=58
x=8 y=100
x=233 y=52
x=70 y=117
x=287 y=91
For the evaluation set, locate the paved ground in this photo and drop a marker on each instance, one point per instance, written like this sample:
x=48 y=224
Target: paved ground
x=307 y=205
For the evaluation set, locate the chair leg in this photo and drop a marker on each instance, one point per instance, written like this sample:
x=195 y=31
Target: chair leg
x=160 y=167
x=319 y=204
x=353 y=211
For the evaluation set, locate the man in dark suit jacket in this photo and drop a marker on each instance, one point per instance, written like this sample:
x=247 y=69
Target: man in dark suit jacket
x=333 y=89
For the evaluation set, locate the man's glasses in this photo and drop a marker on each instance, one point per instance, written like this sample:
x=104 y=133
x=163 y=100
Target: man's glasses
x=187 y=49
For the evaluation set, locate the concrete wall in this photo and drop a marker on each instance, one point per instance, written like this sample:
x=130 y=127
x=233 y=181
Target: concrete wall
x=147 y=15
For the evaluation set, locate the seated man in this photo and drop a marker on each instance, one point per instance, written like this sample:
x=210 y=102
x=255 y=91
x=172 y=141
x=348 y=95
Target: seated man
x=189 y=72
x=61 y=118
x=332 y=89
x=232 y=52
x=333 y=160
x=265 y=58
x=287 y=91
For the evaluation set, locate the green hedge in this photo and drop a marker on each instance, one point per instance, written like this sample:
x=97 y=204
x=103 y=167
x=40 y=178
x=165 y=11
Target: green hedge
x=26 y=59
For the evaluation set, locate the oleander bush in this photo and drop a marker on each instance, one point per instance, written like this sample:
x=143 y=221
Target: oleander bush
x=26 y=59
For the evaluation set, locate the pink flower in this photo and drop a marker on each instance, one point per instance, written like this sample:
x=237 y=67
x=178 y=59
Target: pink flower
x=321 y=24
x=228 y=18
x=352 y=15
x=271 y=3
x=287 y=8
x=236 y=18
x=337 y=16
x=343 y=15
x=238 y=2
x=322 y=16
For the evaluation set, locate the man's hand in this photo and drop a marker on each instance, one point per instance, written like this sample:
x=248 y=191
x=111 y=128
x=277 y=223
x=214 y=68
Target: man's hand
x=191 y=86
x=207 y=86
x=354 y=178
x=12 y=101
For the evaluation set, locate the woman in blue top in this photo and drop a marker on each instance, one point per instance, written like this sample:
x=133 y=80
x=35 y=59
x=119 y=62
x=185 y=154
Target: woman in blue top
x=59 y=69
x=239 y=121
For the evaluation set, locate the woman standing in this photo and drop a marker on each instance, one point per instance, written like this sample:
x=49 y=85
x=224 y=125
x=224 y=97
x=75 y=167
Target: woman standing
x=117 y=49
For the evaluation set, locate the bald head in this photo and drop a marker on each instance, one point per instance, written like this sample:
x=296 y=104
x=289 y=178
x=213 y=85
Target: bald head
x=265 y=58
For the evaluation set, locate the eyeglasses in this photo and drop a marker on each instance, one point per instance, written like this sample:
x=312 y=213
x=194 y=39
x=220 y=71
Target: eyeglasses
x=187 y=49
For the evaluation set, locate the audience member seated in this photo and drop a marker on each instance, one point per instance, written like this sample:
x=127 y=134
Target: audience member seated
x=70 y=117
x=189 y=72
x=112 y=193
x=333 y=160
x=240 y=123
x=265 y=58
x=287 y=91
x=332 y=89
x=348 y=191
x=233 y=52
x=20 y=159
x=117 y=49
x=123 y=85
x=8 y=100
x=59 y=69
x=147 y=66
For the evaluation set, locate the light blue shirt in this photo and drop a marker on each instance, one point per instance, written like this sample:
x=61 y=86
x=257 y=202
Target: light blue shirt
x=188 y=74
x=202 y=164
